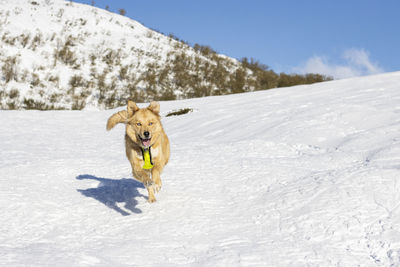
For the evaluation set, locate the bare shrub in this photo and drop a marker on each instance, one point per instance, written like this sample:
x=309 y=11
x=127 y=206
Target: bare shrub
x=14 y=93
x=9 y=68
x=77 y=81
x=35 y=81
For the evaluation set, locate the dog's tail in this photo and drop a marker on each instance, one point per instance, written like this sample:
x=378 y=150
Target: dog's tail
x=119 y=117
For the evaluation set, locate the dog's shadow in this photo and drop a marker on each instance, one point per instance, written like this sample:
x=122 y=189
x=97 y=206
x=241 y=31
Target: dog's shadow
x=110 y=192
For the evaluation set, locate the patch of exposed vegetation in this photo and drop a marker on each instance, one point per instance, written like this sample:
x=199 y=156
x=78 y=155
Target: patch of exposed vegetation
x=179 y=112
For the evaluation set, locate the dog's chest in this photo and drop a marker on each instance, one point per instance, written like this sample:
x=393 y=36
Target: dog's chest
x=154 y=153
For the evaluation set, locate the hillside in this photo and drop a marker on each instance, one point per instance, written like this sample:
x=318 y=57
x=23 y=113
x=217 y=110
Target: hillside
x=64 y=55
x=299 y=176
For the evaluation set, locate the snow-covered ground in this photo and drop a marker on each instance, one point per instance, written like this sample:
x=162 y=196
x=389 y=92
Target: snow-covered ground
x=300 y=176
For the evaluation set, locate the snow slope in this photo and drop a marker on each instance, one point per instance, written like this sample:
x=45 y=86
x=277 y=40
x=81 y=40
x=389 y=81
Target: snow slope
x=63 y=54
x=300 y=176
x=33 y=32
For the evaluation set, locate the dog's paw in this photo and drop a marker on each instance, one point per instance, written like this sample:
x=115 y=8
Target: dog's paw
x=152 y=199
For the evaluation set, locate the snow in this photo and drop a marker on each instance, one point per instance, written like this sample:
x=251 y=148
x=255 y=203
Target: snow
x=300 y=176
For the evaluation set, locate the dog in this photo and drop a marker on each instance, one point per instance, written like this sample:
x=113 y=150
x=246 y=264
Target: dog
x=146 y=143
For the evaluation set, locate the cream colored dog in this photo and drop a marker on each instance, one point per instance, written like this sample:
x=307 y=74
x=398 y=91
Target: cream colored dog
x=144 y=137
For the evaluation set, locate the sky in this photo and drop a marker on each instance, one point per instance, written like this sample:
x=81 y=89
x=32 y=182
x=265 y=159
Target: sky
x=341 y=38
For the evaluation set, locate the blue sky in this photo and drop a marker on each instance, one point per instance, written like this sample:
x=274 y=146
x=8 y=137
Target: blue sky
x=338 y=38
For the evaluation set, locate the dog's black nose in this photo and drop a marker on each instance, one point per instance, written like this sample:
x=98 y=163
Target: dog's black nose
x=146 y=134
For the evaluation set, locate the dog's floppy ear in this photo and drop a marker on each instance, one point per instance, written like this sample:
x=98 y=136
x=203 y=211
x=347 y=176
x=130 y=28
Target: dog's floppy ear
x=154 y=107
x=119 y=117
x=132 y=108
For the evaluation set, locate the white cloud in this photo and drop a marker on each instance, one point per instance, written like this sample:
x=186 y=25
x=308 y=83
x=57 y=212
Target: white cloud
x=356 y=62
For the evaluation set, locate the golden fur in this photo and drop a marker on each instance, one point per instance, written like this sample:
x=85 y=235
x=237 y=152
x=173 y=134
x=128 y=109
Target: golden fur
x=139 y=123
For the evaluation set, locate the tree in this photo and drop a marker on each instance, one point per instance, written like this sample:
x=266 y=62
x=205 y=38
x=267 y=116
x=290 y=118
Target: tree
x=122 y=11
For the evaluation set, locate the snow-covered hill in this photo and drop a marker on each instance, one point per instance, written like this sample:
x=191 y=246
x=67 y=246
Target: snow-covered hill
x=300 y=176
x=58 y=54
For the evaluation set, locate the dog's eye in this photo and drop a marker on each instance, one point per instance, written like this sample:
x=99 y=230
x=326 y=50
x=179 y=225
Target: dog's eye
x=138 y=124
x=150 y=123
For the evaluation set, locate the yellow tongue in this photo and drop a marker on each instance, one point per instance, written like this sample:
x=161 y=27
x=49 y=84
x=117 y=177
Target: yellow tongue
x=147 y=162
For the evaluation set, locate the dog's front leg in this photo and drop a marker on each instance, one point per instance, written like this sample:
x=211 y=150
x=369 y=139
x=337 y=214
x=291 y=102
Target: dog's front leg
x=144 y=177
x=155 y=174
x=150 y=190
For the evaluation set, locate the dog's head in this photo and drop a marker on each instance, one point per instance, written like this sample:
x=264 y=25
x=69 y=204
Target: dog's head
x=143 y=126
